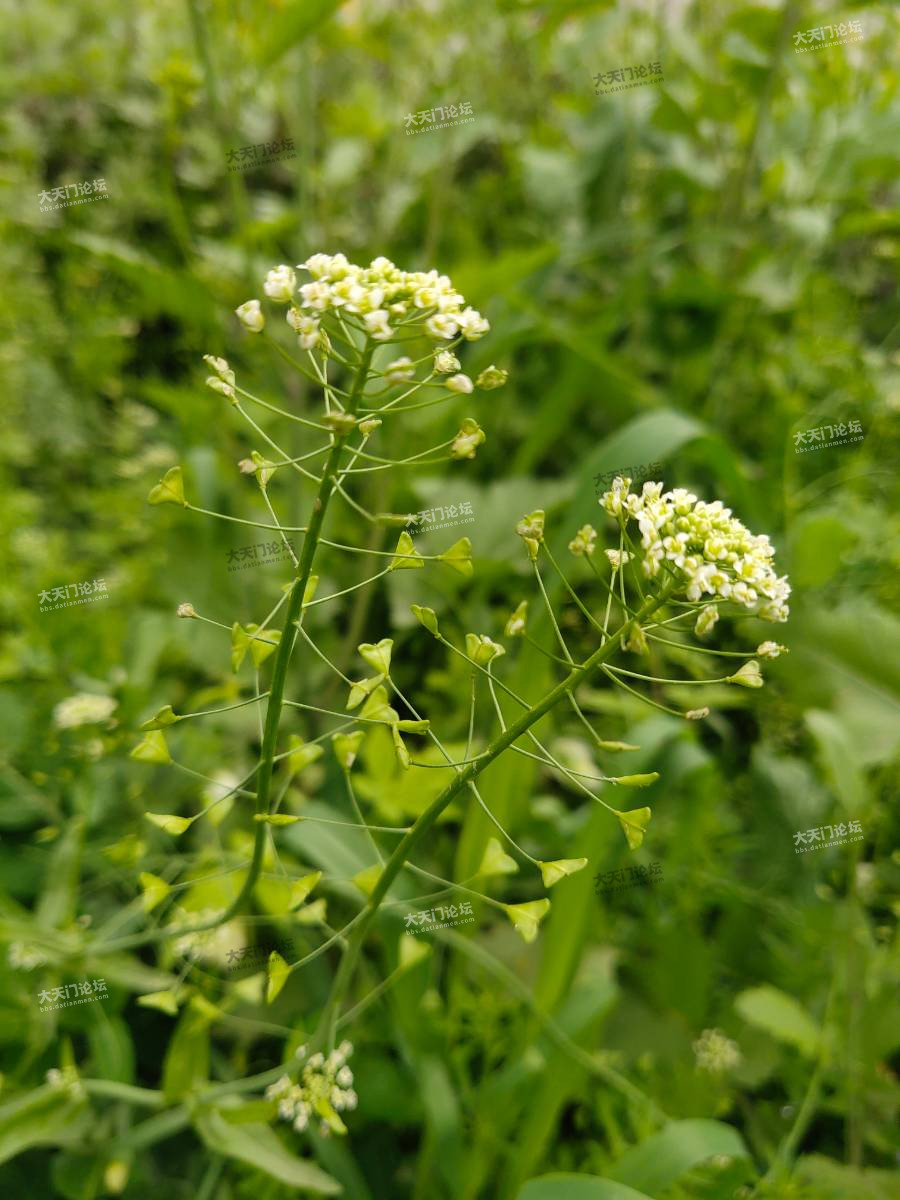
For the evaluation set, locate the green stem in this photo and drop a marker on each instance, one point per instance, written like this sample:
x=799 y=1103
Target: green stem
x=423 y=825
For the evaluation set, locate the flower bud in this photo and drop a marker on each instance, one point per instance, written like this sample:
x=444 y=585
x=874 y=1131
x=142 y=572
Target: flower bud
x=492 y=377
x=307 y=329
x=771 y=650
x=469 y=438
x=584 y=541
x=445 y=362
x=247 y=466
x=369 y=426
x=618 y=558
x=401 y=370
x=220 y=366
x=185 y=610
x=706 y=619
x=531 y=530
x=340 y=423
x=219 y=385
x=251 y=316
x=515 y=626
x=280 y=283
x=697 y=714
x=459 y=383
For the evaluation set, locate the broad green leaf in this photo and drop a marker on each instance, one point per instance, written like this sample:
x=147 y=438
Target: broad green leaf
x=260 y=1147
x=152 y=749
x=660 y=1161
x=278 y=973
x=527 y=917
x=170 y=823
x=406 y=556
x=154 y=889
x=495 y=860
x=47 y=1116
x=553 y=872
x=634 y=824
x=169 y=490
x=780 y=1015
x=577 y=1187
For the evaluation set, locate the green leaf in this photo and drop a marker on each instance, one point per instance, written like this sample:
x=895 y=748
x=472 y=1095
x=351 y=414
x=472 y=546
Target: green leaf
x=459 y=557
x=657 y=1163
x=152 y=749
x=300 y=888
x=278 y=973
x=44 y=1117
x=169 y=490
x=495 y=860
x=577 y=1187
x=407 y=556
x=527 y=917
x=165 y=1001
x=634 y=824
x=164 y=717
x=186 y=1064
x=290 y=25
x=780 y=1015
x=260 y=1147
x=367 y=880
x=154 y=889
x=553 y=872
x=170 y=823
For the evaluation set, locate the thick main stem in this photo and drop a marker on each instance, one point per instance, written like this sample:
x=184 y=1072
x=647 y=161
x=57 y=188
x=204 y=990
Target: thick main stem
x=464 y=776
x=289 y=635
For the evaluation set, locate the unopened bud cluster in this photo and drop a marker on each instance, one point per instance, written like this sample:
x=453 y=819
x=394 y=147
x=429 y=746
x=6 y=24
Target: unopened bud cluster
x=325 y=1089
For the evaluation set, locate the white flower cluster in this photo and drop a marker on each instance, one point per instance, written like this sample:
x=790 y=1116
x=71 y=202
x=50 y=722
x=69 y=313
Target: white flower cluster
x=716 y=1053
x=24 y=957
x=85 y=708
x=324 y=1090
x=382 y=295
x=712 y=552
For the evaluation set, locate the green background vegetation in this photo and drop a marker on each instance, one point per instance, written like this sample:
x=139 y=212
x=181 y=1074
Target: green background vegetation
x=688 y=272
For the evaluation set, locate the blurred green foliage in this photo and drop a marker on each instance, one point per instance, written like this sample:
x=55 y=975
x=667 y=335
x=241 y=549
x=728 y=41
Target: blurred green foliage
x=690 y=273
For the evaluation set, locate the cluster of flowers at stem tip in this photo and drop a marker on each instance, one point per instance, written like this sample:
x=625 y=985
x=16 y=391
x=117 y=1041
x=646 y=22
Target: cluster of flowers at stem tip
x=324 y=1089
x=715 y=1053
x=709 y=551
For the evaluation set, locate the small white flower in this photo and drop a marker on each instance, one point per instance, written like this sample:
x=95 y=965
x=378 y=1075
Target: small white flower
x=251 y=316
x=472 y=324
x=445 y=362
x=83 y=709
x=459 y=383
x=376 y=324
x=618 y=558
x=345 y=1077
x=441 y=325
x=280 y=283
x=770 y=650
x=401 y=370
x=306 y=328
